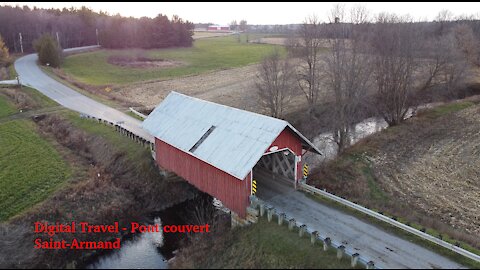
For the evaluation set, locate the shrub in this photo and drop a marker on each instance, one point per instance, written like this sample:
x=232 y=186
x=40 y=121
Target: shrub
x=49 y=52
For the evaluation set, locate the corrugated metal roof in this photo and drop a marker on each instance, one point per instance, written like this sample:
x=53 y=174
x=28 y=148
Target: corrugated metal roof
x=234 y=146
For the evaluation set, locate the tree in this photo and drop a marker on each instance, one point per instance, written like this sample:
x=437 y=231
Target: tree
x=347 y=70
x=309 y=54
x=49 y=53
x=244 y=28
x=393 y=44
x=467 y=43
x=4 y=55
x=445 y=65
x=233 y=25
x=275 y=83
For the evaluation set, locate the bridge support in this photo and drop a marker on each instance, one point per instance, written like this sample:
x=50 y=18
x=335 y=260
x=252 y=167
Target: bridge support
x=370 y=265
x=291 y=224
x=302 y=230
x=355 y=259
x=270 y=211
x=281 y=217
x=326 y=243
x=340 y=251
x=313 y=237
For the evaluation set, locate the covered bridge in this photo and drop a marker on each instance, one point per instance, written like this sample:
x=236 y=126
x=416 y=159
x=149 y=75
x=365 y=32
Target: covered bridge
x=215 y=147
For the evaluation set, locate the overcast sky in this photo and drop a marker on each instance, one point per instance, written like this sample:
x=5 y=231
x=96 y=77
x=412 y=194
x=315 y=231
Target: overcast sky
x=259 y=13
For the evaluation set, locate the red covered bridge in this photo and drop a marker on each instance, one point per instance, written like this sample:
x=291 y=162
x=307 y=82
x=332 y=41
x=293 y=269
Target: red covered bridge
x=216 y=147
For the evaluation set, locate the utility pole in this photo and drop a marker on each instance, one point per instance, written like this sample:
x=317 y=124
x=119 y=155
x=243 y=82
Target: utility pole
x=21 y=43
x=96 y=33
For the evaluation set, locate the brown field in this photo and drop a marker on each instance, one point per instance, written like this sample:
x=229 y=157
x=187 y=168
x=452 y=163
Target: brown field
x=426 y=170
x=231 y=87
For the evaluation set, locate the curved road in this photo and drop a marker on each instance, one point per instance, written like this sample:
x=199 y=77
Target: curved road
x=31 y=75
x=386 y=250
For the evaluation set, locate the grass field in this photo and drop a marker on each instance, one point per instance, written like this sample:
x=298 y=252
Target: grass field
x=31 y=169
x=206 y=55
x=263 y=245
x=5 y=107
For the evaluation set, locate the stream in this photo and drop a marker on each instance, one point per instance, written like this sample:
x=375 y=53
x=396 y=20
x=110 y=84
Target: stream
x=329 y=148
x=153 y=250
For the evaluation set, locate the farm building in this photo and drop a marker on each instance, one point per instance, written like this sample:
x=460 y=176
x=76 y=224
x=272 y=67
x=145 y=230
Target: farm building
x=218 y=28
x=217 y=148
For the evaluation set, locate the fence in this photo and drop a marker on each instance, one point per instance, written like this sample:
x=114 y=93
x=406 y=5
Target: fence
x=261 y=208
x=390 y=221
x=138 y=139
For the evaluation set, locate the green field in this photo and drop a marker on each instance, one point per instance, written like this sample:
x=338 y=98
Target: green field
x=5 y=107
x=31 y=169
x=205 y=55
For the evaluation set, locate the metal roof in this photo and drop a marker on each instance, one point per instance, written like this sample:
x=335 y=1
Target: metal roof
x=227 y=138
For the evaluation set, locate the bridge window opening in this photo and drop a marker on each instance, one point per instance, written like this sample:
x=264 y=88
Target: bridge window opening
x=202 y=139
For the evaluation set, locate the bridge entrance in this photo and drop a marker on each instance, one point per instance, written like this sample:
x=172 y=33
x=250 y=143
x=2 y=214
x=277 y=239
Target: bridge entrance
x=274 y=173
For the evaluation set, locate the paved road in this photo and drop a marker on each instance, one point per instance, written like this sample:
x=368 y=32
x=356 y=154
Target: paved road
x=31 y=75
x=386 y=250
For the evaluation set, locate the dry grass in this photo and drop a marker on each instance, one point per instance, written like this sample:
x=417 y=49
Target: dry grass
x=425 y=170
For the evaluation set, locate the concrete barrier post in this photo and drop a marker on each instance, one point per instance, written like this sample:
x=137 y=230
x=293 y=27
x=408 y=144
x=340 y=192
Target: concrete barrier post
x=269 y=214
x=313 y=237
x=370 y=265
x=281 y=217
x=326 y=243
x=262 y=210
x=302 y=230
x=355 y=259
x=291 y=224
x=340 y=251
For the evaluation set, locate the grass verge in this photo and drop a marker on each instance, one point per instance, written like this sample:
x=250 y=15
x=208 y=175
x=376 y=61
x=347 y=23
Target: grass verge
x=262 y=245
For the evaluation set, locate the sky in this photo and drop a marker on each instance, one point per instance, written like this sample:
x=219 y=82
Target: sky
x=260 y=12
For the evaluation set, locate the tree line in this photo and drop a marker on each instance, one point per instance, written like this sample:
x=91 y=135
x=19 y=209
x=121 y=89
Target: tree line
x=20 y=26
x=356 y=59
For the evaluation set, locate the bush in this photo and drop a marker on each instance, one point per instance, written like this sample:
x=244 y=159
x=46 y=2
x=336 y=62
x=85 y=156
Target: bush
x=4 y=56
x=49 y=52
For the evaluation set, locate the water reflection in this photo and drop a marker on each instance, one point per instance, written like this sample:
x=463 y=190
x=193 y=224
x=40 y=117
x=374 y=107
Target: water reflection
x=141 y=252
x=326 y=144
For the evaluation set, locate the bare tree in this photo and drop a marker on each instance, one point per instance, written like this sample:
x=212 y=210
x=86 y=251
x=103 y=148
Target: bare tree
x=233 y=25
x=347 y=69
x=309 y=68
x=467 y=43
x=393 y=43
x=445 y=65
x=275 y=83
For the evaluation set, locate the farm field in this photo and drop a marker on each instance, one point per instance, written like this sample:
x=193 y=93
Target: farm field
x=426 y=171
x=32 y=169
x=209 y=54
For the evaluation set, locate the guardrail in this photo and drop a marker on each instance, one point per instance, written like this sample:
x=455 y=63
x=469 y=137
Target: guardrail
x=270 y=211
x=390 y=221
x=138 y=139
x=137 y=113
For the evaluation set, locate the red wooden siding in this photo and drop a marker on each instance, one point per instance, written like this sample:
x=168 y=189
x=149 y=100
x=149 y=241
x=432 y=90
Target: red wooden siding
x=233 y=193
x=287 y=139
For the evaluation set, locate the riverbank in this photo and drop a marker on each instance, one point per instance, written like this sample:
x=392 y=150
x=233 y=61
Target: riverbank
x=420 y=172
x=113 y=180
